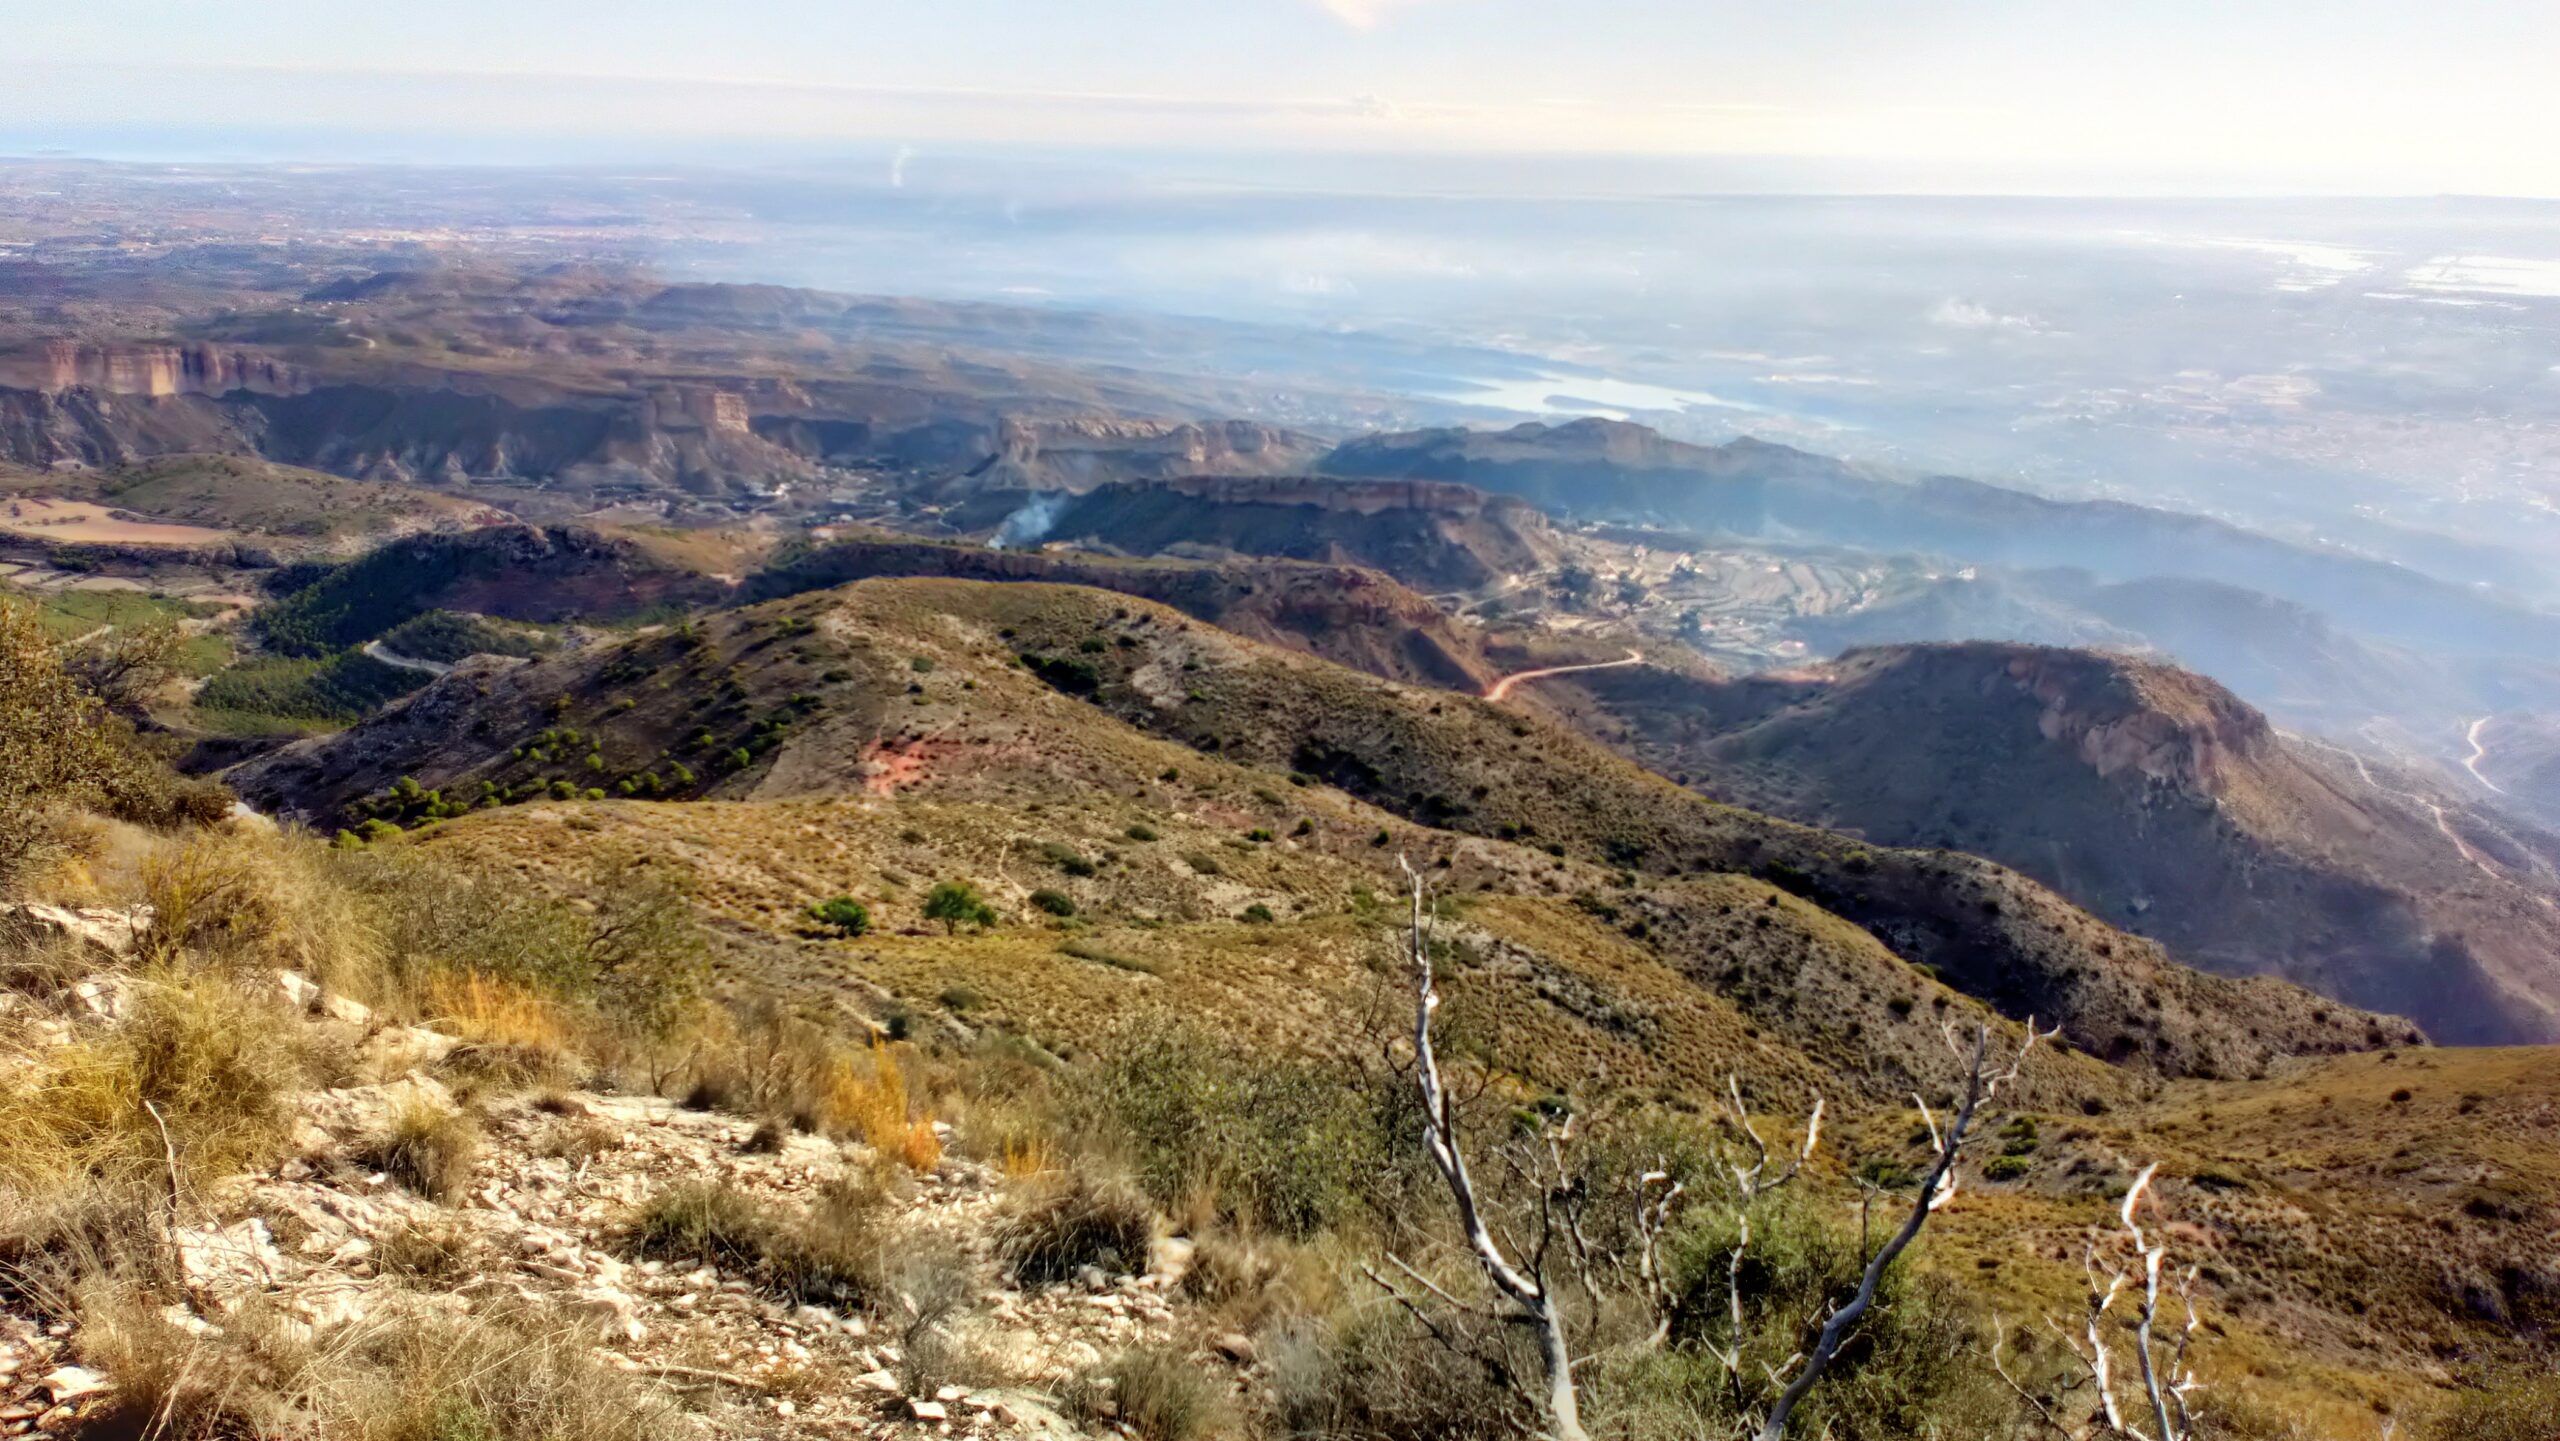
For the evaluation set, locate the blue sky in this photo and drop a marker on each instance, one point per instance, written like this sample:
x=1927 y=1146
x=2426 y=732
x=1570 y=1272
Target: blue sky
x=2356 y=96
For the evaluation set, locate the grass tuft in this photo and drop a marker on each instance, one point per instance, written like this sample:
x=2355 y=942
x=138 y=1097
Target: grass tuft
x=427 y=1148
x=1073 y=1221
x=1154 y=1393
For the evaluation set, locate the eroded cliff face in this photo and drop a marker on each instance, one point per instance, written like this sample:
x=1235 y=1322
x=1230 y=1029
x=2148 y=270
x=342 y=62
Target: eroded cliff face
x=2132 y=719
x=148 y=370
x=713 y=435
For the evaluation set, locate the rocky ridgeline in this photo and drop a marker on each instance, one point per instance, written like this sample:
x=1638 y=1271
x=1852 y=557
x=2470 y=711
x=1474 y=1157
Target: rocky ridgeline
x=538 y=1227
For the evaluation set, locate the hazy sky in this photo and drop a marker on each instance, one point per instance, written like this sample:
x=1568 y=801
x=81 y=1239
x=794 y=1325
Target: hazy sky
x=2215 y=95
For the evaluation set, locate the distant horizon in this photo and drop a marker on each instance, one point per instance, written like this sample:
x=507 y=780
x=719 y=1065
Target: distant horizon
x=2000 y=97
x=1786 y=177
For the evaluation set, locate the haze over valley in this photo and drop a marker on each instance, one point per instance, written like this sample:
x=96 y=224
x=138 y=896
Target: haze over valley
x=1430 y=739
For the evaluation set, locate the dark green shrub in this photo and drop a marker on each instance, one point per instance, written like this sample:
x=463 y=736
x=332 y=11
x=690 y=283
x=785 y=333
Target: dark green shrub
x=844 y=915
x=1890 y=1380
x=1056 y=903
x=343 y=687
x=956 y=904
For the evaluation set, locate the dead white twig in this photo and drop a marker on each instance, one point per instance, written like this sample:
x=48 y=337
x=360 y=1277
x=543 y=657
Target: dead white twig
x=1525 y=1287
x=2162 y=1379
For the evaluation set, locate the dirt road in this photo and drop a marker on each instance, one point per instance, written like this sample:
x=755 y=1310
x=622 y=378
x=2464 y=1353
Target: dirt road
x=1502 y=687
x=388 y=656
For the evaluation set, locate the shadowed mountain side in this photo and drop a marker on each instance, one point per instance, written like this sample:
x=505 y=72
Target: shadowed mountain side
x=517 y=572
x=2148 y=794
x=1425 y=534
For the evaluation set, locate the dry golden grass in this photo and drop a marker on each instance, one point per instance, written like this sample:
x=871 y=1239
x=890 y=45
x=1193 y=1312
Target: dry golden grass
x=493 y=1011
x=1026 y=1157
x=197 y=1055
x=870 y=1100
x=409 y=1372
x=427 y=1148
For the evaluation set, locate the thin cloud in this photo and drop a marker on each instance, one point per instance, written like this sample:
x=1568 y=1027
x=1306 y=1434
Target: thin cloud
x=1364 y=14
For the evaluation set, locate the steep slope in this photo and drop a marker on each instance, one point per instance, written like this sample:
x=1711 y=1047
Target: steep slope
x=2517 y=756
x=1033 y=691
x=2148 y=794
x=516 y=572
x=1425 y=534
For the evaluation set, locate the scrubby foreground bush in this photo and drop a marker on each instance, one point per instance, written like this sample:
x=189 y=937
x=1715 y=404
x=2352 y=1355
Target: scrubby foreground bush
x=409 y=1373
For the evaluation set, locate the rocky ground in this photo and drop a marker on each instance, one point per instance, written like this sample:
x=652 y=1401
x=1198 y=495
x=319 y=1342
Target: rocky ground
x=540 y=1222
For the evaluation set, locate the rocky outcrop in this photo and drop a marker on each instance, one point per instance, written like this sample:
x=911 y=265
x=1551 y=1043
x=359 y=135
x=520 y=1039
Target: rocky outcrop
x=148 y=370
x=324 y=1244
x=109 y=933
x=2154 y=722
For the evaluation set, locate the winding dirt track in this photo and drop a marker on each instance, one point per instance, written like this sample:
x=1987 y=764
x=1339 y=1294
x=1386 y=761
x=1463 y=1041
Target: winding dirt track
x=2478 y=754
x=1503 y=686
x=2444 y=823
x=383 y=653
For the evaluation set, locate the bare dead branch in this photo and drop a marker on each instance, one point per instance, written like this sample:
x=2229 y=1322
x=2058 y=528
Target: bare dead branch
x=1526 y=1289
x=2162 y=1377
x=1982 y=1085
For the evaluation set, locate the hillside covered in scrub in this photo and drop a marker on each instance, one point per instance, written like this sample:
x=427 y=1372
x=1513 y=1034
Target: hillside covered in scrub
x=935 y=1004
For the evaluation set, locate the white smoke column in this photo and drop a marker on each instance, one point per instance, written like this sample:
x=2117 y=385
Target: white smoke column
x=1028 y=525
x=898 y=167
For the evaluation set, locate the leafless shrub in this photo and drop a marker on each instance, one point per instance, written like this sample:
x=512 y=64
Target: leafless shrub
x=2119 y=1331
x=1547 y=1268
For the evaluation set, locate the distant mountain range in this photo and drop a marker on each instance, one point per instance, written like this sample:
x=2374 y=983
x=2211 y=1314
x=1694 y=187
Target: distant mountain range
x=2153 y=797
